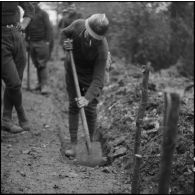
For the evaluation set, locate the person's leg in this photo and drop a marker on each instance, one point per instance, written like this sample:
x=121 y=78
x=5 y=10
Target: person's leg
x=43 y=77
x=7 y=123
x=8 y=105
x=33 y=55
x=73 y=120
x=42 y=56
x=51 y=46
x=10 y=76
x=91 y=115
x=73 y=117
x=19 y=56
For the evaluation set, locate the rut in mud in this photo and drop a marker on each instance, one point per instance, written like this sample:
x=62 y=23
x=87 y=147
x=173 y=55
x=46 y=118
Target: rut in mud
x=31 y=162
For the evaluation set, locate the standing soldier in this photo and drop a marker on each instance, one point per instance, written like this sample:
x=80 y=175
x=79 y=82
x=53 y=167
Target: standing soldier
x=69 y=15
x=72 y=15
x=62 y=20
x=13 y=61
x=90 y=51
x=38 y=35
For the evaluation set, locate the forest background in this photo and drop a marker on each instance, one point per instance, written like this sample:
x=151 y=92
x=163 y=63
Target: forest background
x=159 y=32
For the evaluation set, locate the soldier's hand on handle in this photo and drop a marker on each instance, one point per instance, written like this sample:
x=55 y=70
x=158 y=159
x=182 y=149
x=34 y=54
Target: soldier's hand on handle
x=82 y=102
x=68 y=44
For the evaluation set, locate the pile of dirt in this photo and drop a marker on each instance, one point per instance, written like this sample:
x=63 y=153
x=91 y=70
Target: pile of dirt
x=117 y=117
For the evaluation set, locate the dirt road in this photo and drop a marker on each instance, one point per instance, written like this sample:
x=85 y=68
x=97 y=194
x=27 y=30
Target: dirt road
x=31 y=162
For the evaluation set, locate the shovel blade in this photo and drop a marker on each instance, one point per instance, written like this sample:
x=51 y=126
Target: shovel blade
x=90 y=158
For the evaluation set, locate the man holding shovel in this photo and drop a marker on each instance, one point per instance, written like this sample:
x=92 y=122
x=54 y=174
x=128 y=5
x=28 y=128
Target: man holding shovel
x=90 y=50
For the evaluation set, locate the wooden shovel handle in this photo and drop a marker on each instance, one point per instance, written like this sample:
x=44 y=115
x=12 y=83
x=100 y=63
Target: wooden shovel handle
x=78 y=92
x=28 y=70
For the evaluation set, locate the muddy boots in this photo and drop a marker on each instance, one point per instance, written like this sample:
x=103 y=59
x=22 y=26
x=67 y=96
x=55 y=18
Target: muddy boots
x=91 y=116
x=7 y=123
x=71 y=151
x=38 y=86
x=42 y=81
x=22 y=119
x=73 y=128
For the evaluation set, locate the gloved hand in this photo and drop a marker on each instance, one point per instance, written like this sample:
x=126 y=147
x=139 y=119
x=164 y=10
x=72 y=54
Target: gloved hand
x=68 y=44
x=82 y=101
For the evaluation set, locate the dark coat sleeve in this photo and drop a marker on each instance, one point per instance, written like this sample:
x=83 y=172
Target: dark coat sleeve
x=68 y=31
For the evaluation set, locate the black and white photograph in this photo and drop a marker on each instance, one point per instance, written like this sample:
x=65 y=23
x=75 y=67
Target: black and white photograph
x=97 y=97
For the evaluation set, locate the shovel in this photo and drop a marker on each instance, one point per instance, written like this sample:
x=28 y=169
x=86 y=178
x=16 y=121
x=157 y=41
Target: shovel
x=28 y=69
x=87 y=153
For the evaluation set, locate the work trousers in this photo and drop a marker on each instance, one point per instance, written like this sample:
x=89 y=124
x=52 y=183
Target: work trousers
x=90 y=110
x=51 y=46
x=13 y=61
x=39 y=51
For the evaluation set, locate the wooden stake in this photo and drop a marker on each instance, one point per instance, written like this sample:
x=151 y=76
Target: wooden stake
x=171 y=116
x=139 y=122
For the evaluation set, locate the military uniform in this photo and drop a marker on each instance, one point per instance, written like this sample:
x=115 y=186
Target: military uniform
x=90 y=61
x=13 y=60
x=39 y=36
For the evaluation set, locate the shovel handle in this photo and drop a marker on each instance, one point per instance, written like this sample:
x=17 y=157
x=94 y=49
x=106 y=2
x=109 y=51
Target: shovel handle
x=28 y=71
x=78 y=92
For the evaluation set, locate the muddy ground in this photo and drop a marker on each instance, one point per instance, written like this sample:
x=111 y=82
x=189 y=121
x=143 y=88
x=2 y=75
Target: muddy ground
x=31 y=162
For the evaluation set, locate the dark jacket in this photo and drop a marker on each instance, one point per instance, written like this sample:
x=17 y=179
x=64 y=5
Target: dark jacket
x=40 y=27
x=90 y=61
x=10 y=11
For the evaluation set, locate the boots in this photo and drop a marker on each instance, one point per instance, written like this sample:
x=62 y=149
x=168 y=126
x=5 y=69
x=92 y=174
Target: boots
x=23 y=121
x=45 y=89
x=73 y=128
x=9 y=126
x=71 y=151
x=7 y=123
x=38 y=86
x=43 y=80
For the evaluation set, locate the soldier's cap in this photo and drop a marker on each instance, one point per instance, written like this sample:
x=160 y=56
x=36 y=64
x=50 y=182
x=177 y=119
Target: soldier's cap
x=97 y=26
